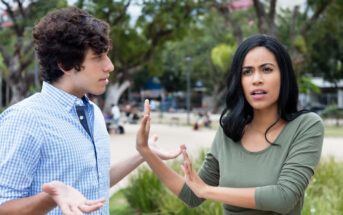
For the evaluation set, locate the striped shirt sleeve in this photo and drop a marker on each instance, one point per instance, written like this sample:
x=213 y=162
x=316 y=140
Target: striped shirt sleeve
x=20 y=141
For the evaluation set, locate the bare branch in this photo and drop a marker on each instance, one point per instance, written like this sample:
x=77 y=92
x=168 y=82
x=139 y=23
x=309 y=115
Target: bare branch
x=259 y=9
x=122 y=14
x=12 y=15
x=315 y=16
x=28 y=48
x=5 y=55
x=21 y=9
x=27 y=62
x=271 y=17
x=294 y=18
x=224 y=10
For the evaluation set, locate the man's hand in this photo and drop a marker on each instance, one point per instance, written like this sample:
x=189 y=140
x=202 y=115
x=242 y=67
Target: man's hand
x=161 y=153
x=71 y=201
x=143 y=132
x=142 y=142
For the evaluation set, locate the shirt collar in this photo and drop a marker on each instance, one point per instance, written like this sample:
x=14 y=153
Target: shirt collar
x=68 y=101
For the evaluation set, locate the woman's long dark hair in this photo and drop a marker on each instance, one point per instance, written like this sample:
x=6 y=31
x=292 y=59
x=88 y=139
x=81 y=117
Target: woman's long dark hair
x=238 y=111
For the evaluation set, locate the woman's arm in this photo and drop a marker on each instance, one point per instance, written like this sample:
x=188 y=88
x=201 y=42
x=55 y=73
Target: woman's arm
x=302 y=159
x=241 y=197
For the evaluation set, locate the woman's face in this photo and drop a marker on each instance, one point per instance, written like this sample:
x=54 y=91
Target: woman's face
x=261 y=79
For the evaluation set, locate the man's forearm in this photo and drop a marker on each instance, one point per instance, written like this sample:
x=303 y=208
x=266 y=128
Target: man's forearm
x=123 y=168
x=38 y=204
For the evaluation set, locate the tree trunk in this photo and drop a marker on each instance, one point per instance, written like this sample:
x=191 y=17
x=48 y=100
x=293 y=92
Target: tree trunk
x=113 y=94
x=217 y=95
x=0 y=88
x=18 y=81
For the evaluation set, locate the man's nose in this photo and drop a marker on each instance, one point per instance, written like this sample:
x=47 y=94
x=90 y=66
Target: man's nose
x=108 y=67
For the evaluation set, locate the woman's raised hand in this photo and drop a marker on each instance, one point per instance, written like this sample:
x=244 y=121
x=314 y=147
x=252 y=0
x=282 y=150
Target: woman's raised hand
x=193 y=180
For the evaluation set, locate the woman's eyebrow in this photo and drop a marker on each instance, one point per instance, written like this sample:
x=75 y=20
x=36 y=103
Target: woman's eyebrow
x=267 y=64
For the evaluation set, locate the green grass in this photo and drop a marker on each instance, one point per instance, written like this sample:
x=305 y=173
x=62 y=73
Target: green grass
x=119 y=205
x=333 y=131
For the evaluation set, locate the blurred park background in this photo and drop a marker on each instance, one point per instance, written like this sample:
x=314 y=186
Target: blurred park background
x=177 y=53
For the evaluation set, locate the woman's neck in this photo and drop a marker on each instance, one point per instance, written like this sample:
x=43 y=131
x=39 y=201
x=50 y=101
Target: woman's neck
x=264 y=118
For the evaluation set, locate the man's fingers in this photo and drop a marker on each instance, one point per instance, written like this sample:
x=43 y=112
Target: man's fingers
x=155 y=138
x=93 y=202
x=90 y=208
x=183 y=147
x=65 y=209
x=48 y=188
x=175 y=154
x=75 y=210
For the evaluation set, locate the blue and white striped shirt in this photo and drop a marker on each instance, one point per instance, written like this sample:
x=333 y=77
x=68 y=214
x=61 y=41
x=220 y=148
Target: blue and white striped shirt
x=42 y=139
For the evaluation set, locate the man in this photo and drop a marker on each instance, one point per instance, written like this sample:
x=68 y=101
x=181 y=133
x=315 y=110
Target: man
x=54 y=147
x=115 y=111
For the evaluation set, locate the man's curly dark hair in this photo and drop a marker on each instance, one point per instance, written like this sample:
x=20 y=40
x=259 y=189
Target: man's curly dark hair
x=62 y=37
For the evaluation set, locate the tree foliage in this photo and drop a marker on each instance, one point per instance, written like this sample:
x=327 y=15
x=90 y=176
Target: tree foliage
x=16 y=45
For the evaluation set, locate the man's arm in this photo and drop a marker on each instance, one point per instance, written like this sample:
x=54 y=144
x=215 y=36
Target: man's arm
x=68 y=199
x=38 y=204
x=123 y=168
x=119 y=170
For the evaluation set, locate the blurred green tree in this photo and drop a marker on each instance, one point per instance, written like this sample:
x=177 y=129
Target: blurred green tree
x=138 y=45
x=16 y=46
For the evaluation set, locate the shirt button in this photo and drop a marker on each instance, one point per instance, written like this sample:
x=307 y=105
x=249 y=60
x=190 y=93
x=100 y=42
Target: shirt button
x=81 y=117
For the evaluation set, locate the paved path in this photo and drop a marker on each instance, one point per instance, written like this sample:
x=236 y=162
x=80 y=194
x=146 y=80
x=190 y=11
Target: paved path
x=171 y=137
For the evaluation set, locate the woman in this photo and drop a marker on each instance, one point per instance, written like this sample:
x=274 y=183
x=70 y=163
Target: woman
x=265 y=151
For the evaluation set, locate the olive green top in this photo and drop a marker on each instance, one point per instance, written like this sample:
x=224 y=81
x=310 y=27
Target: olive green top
x=280 y=173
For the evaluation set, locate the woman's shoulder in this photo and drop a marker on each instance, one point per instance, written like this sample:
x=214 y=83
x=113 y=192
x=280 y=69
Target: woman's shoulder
x=308 y=118
x=307 y=122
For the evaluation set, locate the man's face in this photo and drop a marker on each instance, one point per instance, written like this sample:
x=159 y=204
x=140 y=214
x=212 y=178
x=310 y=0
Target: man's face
x=94 y=74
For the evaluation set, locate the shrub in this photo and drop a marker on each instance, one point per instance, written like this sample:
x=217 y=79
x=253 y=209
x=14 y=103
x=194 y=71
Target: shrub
x=325 y=191
x=146 y=194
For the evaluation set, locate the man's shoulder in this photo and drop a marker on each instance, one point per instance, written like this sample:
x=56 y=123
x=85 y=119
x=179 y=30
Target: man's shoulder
x=28 y=105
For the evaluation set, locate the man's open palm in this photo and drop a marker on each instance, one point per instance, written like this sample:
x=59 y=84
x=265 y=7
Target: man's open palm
x=71 y=201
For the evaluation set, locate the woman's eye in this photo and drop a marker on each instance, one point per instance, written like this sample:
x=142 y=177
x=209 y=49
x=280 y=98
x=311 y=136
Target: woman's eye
x=267 y=69
x=247 y=72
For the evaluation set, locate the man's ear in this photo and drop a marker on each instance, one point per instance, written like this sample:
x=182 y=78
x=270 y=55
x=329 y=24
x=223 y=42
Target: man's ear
x=66 y=72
